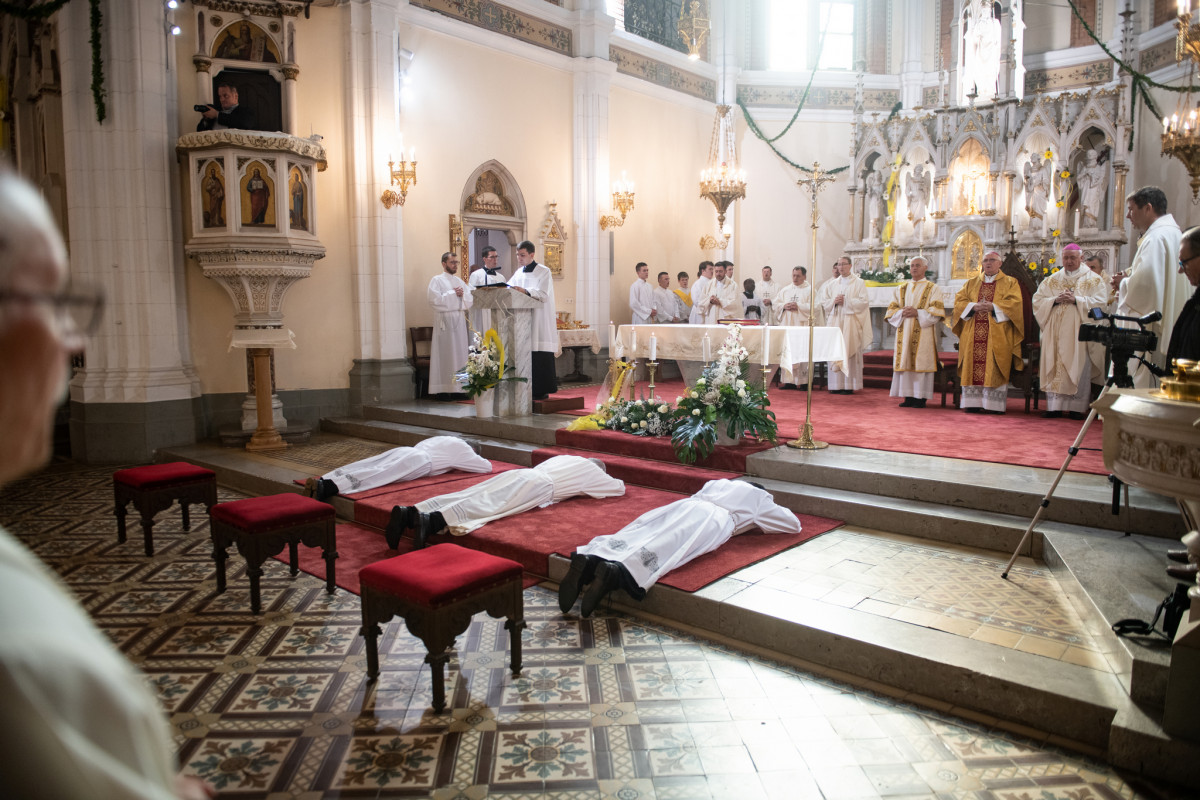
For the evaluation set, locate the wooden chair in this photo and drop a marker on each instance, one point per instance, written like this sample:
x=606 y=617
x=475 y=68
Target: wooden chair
x=420 y=347
x=1031 y=348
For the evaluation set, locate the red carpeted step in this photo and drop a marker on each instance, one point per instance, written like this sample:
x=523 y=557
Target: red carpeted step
x=657 y=448
x=643 y=472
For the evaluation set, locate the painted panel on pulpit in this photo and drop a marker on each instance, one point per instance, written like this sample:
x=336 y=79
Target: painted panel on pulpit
x=244 y=41
x=966 y=255
x=257 y=190
x=212 y=193
x=298 y=200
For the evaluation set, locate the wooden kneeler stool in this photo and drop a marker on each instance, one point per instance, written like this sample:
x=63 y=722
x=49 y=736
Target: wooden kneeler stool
x=262 y=526
x=156 y=488
x=436 y=591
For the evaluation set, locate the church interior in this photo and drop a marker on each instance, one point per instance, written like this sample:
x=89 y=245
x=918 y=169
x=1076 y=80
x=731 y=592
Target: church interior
x=265 y=296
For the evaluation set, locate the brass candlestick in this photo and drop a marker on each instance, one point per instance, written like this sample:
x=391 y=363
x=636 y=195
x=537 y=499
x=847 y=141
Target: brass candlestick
x=632 y=378
x=814 y=183
x=652 y=366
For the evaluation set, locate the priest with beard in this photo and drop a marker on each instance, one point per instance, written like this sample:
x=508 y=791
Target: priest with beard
x=793 y=307
x=989 y=323
x=534 y=280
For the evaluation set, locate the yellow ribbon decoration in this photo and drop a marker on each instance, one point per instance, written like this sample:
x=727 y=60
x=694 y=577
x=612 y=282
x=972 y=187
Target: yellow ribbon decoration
x=594 y=422
x=892 y=182
x=492 y=338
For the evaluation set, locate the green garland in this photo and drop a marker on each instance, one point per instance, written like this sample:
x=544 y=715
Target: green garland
x=43 y=11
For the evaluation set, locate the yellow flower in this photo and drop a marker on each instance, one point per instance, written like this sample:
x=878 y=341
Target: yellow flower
x=1061 y=203
x=1066 y=173
x=1033 y=266
x=1047 y=154
x=1055 y=233
x=1052 y=261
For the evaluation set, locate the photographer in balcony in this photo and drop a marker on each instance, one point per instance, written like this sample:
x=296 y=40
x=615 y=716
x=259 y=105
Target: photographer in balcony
x=1185 y=336
x=229 y=115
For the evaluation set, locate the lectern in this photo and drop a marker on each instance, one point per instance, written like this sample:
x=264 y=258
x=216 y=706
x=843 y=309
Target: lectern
x=511 y=315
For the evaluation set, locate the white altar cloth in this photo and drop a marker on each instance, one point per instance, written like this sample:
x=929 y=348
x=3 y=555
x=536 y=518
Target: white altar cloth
x=787 y=345
x=578 y=337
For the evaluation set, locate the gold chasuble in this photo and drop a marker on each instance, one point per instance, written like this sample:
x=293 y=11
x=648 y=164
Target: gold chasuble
x=987 y=349
x=916 y=347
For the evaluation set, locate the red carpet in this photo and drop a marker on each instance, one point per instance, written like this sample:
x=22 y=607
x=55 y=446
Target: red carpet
x=870 y=419
x=669 y=476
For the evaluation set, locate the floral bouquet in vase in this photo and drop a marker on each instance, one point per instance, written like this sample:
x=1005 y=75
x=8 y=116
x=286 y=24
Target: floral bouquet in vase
x=485 y=365
x=639 y=417
x=722 y=400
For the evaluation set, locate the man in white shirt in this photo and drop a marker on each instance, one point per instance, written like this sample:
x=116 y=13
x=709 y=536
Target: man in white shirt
x=488 y=274
x=666 y=305
x=536 y=281
x=1060 y=305
x=554 y=480
x=449 y=297
x=641 y=296
x=699 y=292
x=635 y=557
x=431 y=456
x=847 y=307
x=767 y=288
x=77 y=718
x=916 y=309
x=683 y=298
x=1151 y=282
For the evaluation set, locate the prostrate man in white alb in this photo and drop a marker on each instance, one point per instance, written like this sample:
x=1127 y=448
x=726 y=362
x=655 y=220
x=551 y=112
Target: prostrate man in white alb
x=793 y=304
x=699 y=293
x=77 y=719
x=766 y=292
x=536 y=281
x=449 y=297
x=635 y=557
x=1150 y=282
x=641 y=296
x=915 y=311
x=554 y=480
x=666 y=307
x=1061 y=304
x=847 y=307
x=488 y=274
x=431 y=456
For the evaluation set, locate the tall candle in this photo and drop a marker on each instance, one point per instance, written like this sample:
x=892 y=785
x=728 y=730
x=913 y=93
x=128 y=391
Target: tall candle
x=1077 y=219
x=612 y=335
x=766 y=345
x=705 y=349
x=653 y=347
x=633 y=341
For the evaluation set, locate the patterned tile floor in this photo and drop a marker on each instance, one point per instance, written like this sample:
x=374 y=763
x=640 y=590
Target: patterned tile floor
x=610 y=707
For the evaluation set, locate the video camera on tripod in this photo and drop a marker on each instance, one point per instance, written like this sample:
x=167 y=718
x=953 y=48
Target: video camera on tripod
x=1122 y=344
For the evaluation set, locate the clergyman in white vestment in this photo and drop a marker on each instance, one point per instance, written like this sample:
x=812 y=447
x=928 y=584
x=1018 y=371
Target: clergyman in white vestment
x=635 y=557
x=915 y=311
x=847 y=307
x=508 y=493
x=449 y=297
x=793 y=307
x=767 y=288
x=432 y=456
x=1061 y=304
x=699 y=293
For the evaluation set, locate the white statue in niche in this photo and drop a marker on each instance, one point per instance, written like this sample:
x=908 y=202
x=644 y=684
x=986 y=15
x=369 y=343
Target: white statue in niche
x=1092 y=182
x=874 y=203
x=981 y=51
x=1037 y=190
x=917 y=192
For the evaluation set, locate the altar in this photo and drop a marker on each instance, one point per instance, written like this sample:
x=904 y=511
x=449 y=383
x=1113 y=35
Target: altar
x=785 y=346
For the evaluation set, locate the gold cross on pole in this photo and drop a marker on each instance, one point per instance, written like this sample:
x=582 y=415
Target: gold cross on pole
x=813 y=182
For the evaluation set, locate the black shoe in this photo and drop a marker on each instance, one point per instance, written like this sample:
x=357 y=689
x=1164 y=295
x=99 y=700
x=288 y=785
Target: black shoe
x=605 y=581
x=1077 y=415
x=1178 y=555
x=325 y=490
x=403 y=518
x=1051 y=414
x=568 y=590
x=908 y=403
x=428 y=525
x=974 y=410
x=916 y=402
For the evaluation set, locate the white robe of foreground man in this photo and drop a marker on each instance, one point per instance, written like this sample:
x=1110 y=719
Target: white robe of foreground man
x=665 y=538
x=432 y=456
x=916 y=354
x=1148 y=288
x=853 y=317
x=448 y=354
x=801 y=297
x=1066 y=369
x=509 y=493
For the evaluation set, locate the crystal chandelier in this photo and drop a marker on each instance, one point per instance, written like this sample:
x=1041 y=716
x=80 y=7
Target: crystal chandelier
x=693 y=26
x=721 y=181
x=1180 y=137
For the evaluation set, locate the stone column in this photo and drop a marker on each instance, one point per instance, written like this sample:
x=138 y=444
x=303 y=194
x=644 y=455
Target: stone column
x=138 y=390
x=380 y=374
x=290 y=73
x=912 y=70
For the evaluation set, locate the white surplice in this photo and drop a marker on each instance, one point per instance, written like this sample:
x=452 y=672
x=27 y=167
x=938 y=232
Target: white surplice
x=540 y=284
x=666 y=306
x=520 y=490
x=432 y=456
x=853 y=316
x=665 y=538
x=448 y=353
x=641 y=301
x=481 y=318
x=767 y=291
x=699 y=292
x=1151 y=286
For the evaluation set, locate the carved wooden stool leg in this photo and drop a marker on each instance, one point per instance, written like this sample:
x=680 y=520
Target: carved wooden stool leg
x=514 y=626
x=294 y=557
x=255 y=572
x=330 y=555
x=119 y=510
x=371 y=634
x=148 y=532
x=437 y=664
x=220 y=556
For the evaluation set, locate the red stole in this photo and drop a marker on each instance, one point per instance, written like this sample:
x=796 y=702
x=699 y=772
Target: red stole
x=979 y=347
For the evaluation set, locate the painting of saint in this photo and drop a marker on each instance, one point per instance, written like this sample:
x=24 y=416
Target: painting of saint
x=246 y=42
x=297 y=201
x=213 y=189
x=257 y=207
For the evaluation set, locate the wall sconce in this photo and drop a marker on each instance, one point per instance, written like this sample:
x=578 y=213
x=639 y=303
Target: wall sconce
x=622 y=200
x=404 y=175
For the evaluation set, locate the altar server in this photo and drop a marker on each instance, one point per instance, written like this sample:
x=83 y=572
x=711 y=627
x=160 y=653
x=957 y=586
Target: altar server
x=916 y=310
x=535 y=280
x=1061 y=304
x=508 y=493
x=449 y=297
x=488 y=274
x=431 y=456
x=641 y=296
x=699 y=293
x=847 y=306
x=635 y=557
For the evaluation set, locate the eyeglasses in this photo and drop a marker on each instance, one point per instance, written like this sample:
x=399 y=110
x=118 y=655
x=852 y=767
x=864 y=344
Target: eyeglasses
x=1183 y=261
x=77 y=309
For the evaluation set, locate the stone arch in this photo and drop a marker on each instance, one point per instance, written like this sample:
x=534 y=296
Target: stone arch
x=491 y=198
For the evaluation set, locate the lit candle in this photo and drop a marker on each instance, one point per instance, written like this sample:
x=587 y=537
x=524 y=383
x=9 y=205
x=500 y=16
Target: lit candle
x=612 y=334
x=633 y=341
x=1166 y=125
x=705 y=349
x=1077 y=219
x=766 y=345
x=653 y=347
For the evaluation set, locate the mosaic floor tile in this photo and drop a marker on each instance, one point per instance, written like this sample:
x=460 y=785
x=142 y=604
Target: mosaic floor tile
x=543 y=755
